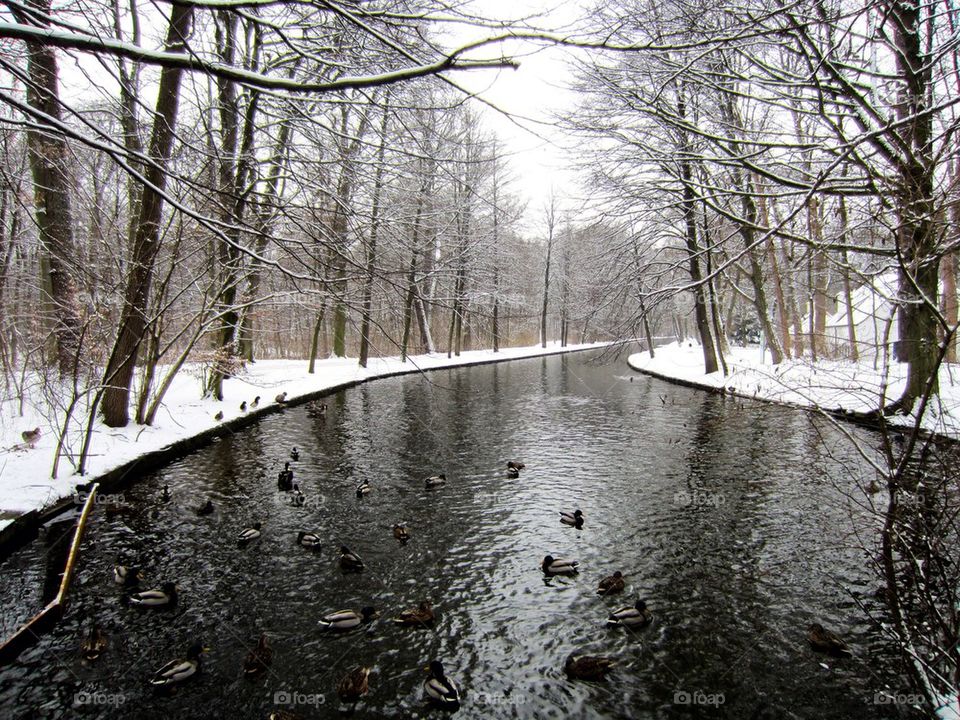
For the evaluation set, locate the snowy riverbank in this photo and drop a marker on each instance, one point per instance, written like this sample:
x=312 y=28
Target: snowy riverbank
x=827 y=384
x=25 y=482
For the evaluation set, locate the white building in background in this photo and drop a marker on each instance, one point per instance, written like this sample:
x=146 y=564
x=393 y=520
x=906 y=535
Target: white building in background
x=872 y=312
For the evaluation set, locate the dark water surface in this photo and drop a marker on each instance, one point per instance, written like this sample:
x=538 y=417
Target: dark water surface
x=733 y=519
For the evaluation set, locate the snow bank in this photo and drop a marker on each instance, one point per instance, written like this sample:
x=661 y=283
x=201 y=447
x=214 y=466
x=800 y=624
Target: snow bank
x=25 y=482
x=828 y=384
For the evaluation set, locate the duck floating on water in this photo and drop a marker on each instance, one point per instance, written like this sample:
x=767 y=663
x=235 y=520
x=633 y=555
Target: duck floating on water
x=826 y=641
x=285 y=478
x=440 y=689
x=514 y=468
x=258 y=660
x=165 y=493
x=364 y=488
x=354 y=685
x=435 y=481
x=206 y=508
x=635 y=616
x=294 y=454
x=181 y=669
x=349 y=560
x=161 y=597
x=309 y=540
x=248 y=535
x=574 y=519
x=611 y=584
x=559 y=566
x=587 y=667
x=126 y=575
x=421 y=615
x=401 y=533
x=94 y=643
x=297 y=498
x=347 y=619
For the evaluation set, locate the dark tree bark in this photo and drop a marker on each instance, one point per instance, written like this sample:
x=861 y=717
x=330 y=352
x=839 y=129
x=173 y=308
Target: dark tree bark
x=693 y=246
x=133 y=319
x=372 y=244
x=51 y=188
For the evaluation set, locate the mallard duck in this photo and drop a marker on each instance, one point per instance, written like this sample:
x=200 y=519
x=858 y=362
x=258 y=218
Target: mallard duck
x=164 y=596
x=285 y=478
x=316 y=410
x=826 y=641
x=354 y=685
x=284 y=715
x=294 y=454
x=363 y=488
x=94 y=643
x=574 y=519
x=436 y=481
x=347 y=619
x=176 y=671
x=421 y=615
x=308 y=540
x=873 y=488
x=401 y=533
x=440 y=689
x=281 y=398
x=297 y=498
x=635 y=616
x=255 y=402
x=31 y=437
x=349 y=560
x=587 y=667
x=248 y=535
x=514 y=468
x=612 y=584
x=165 y=493
x=243 y=406
x=219 y=416
x=559 y=566
x=206 y=508
x=126 y=575
x=258 y=659
x=113 y=509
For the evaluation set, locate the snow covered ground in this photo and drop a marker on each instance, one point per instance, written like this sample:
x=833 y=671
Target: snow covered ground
x=828 y=384
x=25 y=473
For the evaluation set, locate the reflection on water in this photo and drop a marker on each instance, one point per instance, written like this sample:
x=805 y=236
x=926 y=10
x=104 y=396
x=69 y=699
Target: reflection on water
x=730 y=518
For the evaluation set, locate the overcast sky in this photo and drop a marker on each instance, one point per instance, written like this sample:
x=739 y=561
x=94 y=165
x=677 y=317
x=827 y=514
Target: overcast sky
x=531 y=94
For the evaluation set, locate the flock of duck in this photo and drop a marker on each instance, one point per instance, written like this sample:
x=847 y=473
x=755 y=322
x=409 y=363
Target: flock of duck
x=439 y=689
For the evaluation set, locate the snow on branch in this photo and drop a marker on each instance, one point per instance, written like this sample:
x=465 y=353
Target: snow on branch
x=130 y=51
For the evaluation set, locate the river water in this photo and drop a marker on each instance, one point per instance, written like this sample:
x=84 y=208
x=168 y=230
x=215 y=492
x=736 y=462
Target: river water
x=740 y=523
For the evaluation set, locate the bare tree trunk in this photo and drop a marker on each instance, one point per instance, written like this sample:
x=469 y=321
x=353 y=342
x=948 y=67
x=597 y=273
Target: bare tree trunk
x=372 y=243
x=551 y=216
x=783 y=317
x=340 y=227
x=916 y=232
x=119 y=372
x=236 y=166
x=51 y=188
x=315 y=338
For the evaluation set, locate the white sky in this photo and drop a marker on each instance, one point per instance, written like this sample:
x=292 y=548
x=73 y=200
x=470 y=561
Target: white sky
x=531 y=94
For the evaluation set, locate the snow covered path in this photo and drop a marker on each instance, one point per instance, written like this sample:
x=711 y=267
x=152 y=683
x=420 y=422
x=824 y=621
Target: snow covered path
x=828 y=384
